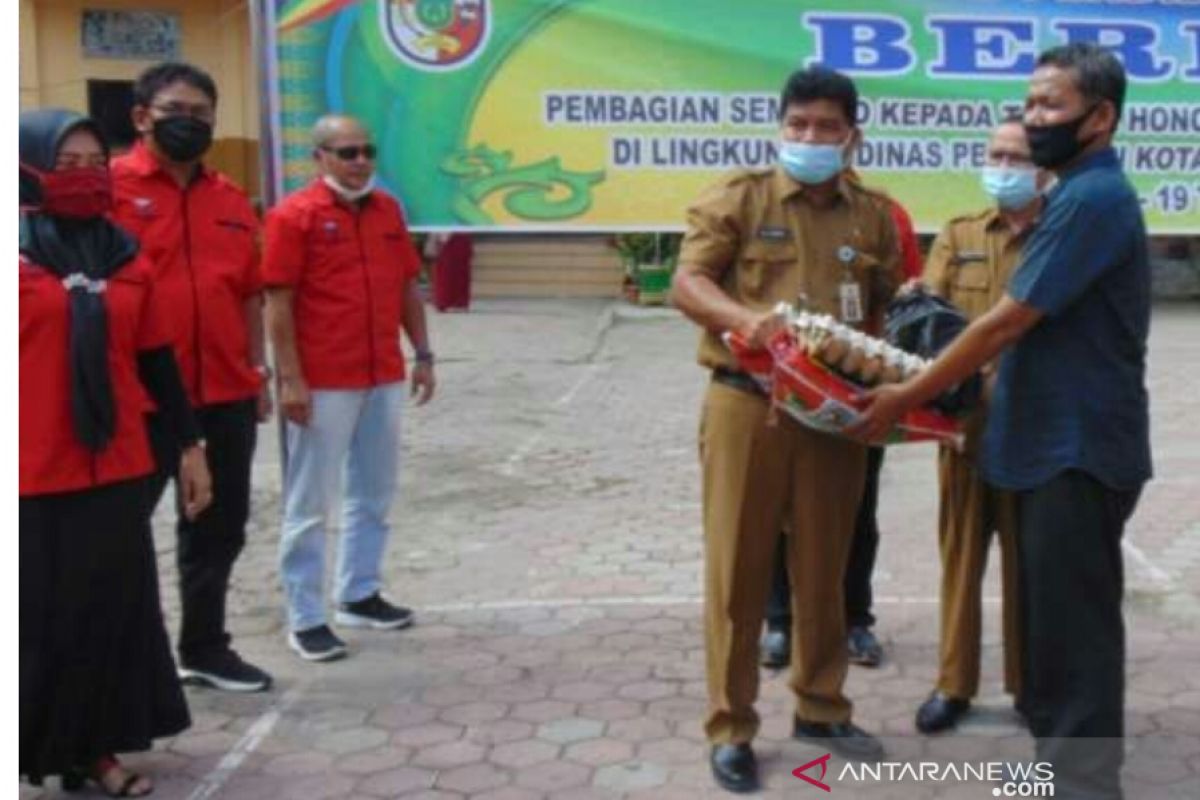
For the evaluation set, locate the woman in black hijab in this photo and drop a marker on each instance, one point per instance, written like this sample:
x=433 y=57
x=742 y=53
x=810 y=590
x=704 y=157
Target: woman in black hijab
x=97 y=676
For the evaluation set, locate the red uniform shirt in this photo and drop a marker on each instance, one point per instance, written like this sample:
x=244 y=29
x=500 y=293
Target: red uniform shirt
x=51 y=457
x=203 y=241
x=906 y=235
x=349 y=269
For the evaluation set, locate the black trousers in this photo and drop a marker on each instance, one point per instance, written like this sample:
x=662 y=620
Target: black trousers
x=863 y=550
x=208 y=546
x=1071 y=584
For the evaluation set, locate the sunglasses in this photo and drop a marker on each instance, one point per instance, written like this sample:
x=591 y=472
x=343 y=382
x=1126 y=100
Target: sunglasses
x=352 y=152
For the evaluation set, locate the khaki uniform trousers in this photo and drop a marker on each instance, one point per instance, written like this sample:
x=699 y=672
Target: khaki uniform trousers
x=758 y=479
x=970 y=512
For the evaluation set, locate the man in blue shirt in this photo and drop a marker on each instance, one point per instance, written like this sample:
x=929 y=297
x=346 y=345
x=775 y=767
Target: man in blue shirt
x=1068 y=428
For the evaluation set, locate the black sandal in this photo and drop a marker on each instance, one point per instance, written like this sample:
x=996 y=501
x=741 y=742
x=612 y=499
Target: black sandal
x=107 y=764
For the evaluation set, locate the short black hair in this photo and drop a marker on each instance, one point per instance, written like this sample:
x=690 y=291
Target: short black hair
x=160 y=76
x=820 y=83
x=1099 y=75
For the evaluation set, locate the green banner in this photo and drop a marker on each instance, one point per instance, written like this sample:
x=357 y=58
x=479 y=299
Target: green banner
x=599 y=115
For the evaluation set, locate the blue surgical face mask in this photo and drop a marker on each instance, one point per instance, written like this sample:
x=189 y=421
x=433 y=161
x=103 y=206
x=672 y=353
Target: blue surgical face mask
x=1010 y=187
x=811 y=163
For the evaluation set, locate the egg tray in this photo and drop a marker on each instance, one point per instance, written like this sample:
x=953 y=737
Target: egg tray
x=815 y=394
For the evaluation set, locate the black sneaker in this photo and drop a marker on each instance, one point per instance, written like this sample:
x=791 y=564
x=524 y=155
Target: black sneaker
x=317 y=644
x=226 y=671
x=374 y=612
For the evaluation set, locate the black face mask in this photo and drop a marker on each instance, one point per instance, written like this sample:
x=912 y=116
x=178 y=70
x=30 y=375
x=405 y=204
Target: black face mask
x=1052 y=146
x=183 y=139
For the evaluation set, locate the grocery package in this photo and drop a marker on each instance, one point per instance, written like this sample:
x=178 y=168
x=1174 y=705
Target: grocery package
x=816 y=369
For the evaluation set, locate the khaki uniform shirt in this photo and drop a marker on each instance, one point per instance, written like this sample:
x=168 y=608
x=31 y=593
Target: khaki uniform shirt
x=969 y=264
x=971 y=261
x=758 y=235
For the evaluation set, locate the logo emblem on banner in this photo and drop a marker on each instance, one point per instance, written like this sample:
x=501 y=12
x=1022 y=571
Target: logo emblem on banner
x=436 y=35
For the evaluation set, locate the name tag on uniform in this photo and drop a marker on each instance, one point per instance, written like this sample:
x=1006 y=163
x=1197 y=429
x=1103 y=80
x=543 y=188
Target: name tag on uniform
x=774 y=234
x=963 y=256
x=851 y=301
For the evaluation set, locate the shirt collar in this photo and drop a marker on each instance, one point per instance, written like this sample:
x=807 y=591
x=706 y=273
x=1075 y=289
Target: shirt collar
x=994 y=221
x=145 y=164
x=786 y=186
x=322 y=193
x=1101 y=159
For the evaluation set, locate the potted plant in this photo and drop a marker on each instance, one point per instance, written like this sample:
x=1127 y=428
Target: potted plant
x=649 y=260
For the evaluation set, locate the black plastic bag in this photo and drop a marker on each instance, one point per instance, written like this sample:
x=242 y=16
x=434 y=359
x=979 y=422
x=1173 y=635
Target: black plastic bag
x=924 y=324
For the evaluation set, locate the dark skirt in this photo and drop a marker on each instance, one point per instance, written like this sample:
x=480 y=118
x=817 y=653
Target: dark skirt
x=97 y=675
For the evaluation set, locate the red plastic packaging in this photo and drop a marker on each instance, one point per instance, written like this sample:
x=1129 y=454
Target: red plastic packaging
x=815 y=396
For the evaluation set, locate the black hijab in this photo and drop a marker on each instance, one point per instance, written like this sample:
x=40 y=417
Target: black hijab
x=71 y=248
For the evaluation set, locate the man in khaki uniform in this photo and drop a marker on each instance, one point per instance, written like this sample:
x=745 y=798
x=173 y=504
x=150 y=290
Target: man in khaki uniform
x=756 y=238
x=969 y=265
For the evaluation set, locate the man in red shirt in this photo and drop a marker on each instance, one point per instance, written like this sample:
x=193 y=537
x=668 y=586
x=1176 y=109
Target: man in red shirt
x=340 y=271
x=201 y=233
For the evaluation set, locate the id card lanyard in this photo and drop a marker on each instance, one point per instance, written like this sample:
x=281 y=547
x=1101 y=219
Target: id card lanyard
x=849 y=291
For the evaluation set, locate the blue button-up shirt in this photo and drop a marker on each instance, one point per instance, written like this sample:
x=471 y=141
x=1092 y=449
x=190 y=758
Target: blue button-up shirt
x=1071 y=393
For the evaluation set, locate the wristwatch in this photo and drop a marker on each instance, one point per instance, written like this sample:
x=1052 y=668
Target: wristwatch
x=424 y=357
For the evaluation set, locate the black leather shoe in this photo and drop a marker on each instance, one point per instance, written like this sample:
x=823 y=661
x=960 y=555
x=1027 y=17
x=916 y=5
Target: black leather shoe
x=864 y=648
x=734 y=767
x=940 y=712
x=1021 y=706
x=844 y=738
x=775 y=649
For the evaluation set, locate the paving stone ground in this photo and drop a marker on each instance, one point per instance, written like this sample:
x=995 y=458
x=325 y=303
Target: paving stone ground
x=547 y=532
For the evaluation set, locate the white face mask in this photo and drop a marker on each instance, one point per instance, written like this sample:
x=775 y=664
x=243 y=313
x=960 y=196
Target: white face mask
x=347 y=194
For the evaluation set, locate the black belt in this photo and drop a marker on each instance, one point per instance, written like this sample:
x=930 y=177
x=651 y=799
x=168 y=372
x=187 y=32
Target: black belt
x=736 y=379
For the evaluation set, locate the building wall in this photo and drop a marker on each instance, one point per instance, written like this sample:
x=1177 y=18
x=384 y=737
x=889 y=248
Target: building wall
x=545 y=265
x=215 y=35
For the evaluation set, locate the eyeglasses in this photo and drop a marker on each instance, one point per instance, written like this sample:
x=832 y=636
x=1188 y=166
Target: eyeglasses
x=353 y=151
x=202 y=112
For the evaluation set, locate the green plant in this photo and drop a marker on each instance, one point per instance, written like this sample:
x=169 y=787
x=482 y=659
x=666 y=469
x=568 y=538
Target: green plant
x=639 y=249
x=418 y=240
